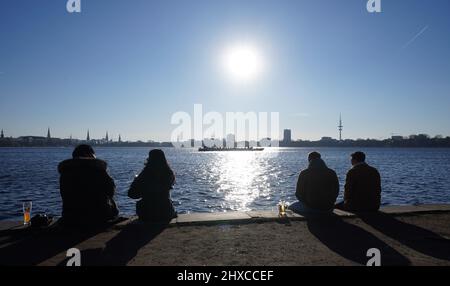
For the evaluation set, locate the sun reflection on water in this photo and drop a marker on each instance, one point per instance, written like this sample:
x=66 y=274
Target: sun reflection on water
x=242 y=178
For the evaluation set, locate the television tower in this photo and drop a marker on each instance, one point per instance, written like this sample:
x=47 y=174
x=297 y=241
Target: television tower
x=340 y=127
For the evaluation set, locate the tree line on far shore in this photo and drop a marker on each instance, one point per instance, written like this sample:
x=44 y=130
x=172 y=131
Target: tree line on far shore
x=421 y=140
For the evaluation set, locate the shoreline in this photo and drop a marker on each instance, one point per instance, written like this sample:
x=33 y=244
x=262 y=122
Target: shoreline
x=405 y=235
x=243 y=217
x=287 y=147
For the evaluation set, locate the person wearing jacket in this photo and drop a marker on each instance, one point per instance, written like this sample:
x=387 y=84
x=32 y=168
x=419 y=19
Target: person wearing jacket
x=317 y=187
x=87 y=190
x=362 y=191
x=152 y=187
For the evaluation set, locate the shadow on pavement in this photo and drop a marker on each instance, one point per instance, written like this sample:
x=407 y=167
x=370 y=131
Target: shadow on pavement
x=350 y=241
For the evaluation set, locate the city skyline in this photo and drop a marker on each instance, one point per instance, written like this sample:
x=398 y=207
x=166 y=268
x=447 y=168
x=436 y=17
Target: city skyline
x=307 y=60
x=285 y=137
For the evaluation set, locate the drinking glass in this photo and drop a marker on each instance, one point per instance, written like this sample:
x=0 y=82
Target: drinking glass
x=27 y=206
x=282 y=208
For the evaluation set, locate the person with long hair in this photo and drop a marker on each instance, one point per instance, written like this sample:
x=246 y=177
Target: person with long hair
x=152 y=188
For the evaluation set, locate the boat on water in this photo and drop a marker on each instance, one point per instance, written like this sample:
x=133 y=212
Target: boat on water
x=209 y=149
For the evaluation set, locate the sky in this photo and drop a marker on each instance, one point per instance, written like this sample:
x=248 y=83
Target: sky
x=127 y=66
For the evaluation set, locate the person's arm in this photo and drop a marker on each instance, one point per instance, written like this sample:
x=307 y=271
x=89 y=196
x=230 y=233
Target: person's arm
x=171 y=181
x=348 y=188
x=299 y=192
x=110 y=186
x=106 y=183
x=135 y=191
x=378 y=182
x=336 y=186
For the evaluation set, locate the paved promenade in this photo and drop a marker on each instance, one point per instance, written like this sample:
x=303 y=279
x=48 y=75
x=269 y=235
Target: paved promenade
x=405 y=235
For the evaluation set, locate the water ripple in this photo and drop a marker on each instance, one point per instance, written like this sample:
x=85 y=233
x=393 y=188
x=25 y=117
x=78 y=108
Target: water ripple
x=222 y=181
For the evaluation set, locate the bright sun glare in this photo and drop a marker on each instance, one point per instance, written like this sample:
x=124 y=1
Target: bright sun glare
x=243 y=62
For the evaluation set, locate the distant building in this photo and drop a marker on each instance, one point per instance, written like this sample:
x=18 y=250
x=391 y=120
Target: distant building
x=396 y=138
x=267 y=142
x=231 y=141
x=340 y=127
x=327 y=139
x=423 y=136
x=120 y=139
x=48 y=134
x=88 y=138
x=287 y=136
x=2 y=135
x=33 y=139
x=419 y=137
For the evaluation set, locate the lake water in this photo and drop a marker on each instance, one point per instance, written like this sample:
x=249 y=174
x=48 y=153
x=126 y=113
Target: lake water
x=223 y=181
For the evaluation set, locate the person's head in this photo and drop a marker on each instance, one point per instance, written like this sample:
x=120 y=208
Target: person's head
x=313 y=156
x=157 y=159
x=358 y=157
x=83 y=151
x=159 y=167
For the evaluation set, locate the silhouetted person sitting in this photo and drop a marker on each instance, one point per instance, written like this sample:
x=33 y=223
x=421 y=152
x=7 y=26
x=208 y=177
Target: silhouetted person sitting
x=317 y=187
x=362 y=186
x=152 y=186
x=86 y=188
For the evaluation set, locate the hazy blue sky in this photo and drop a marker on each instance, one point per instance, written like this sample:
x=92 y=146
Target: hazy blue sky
x=127 y=66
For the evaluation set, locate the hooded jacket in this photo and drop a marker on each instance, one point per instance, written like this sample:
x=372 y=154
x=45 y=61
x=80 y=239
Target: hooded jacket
x=318 y=186
x=87 y=191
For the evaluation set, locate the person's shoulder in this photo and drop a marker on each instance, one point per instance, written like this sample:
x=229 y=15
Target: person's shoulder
x=101 y=164
x=352 y=171
x=304 y=172
x=307 y=169
x=332 y=172
x=365 y=168
x=372 y=169
x=64 y=164
x=76 y=164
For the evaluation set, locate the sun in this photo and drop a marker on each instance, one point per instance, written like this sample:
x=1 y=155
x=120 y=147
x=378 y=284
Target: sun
x=243 y=62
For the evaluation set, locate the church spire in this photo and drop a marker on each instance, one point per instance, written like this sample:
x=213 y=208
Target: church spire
x=48 y=134
x=2 y=135
x=88 y=138
x=107 y=137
